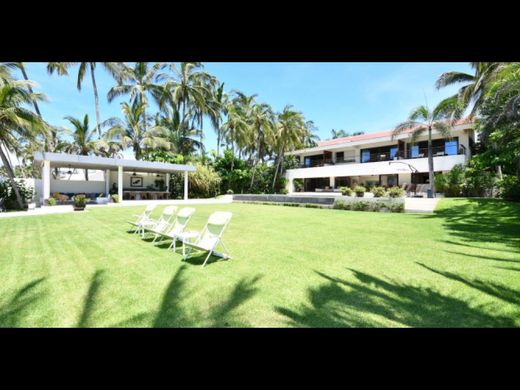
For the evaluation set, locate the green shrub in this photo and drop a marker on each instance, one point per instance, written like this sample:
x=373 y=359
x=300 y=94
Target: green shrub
x=378 y=192
x=51 y=201
x=8 y=195
x=311 y=205
x=375 y=206
x=346 y=191
x=284 y=191
x=339 y=204
x=510 y=188
x=362 y=205
x=115 y=198
x=298 y=184
x=230 y=192
x=396 y=192
x=396 y=207
x=360 y=191
x=79 y=200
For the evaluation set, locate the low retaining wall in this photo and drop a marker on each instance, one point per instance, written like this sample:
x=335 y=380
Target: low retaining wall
x=284 y=199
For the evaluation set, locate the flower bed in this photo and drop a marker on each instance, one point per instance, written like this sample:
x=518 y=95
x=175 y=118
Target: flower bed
x=393 y=205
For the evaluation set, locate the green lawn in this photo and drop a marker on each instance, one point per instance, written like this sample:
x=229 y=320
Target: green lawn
x=291 y=267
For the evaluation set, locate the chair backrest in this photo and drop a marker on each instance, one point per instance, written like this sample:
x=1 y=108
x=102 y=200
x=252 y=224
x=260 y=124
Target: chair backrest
x=169 y=212
x=181 y=220
x=214 y=229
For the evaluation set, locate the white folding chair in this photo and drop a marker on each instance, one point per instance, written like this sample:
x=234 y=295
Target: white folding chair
x=141 y=218
x=161 y=223
x=177 y=227
x=211 y=236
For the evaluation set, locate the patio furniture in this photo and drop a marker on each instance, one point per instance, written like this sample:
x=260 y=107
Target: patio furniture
x=102 y=199
x=145 y=216
x=159 y=224
x=210 y=237
x=177 y=227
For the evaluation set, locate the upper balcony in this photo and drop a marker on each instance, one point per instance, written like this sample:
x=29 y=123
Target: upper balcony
x=413 y=153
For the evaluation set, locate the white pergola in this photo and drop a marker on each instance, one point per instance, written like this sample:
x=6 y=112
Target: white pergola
x=46 y=161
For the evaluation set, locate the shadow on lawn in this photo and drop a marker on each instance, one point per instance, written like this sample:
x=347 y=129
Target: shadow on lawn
x=14 y=310
x=87 y=312
x=373 y=302
x=172 y=312
x=482 y=221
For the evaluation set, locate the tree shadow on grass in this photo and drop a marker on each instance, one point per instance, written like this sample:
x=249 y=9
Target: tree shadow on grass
x=496 y=290
x=481 y=257
x=483 y=220
x=172 y=311
x=89 y=302
x=374 y=302
x=15 y=309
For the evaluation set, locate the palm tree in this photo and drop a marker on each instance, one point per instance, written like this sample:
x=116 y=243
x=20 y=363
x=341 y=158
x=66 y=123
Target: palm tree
x=472 y=92
x=339 y=133
x=137 y=82
x=83 y=138
x=134 y=132
x=290 y=131
x=311 y=139
x=422 y=119
x=180 y=135
x=62 y=68
x=235 y=128
x=217 y=107
x=16 y=122
x=262 y=123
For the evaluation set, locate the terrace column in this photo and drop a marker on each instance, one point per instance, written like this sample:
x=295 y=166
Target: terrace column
x=120 y=183
x=168 y=182
x=185 y=185
x=107 y=182
x=46 y=180
x=291 y=185
x=332 y=182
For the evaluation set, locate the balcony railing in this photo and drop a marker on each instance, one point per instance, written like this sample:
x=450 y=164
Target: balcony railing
x=437 y=151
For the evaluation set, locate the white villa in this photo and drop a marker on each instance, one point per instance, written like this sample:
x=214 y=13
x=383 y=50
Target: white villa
x=377 y=159
x=130 y=179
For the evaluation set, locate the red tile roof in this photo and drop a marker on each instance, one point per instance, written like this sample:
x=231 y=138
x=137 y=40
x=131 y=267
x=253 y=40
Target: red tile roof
x=379 y=134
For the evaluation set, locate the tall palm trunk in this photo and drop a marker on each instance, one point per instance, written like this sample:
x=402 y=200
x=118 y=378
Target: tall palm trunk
x=201 y=135
x=96 y=98
x=86 y=174
x=218 y=138
x=430 y=163
x=10 y=173
x=279 y=160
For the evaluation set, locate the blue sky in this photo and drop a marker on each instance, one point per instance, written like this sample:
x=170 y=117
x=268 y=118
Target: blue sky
x=351 y=96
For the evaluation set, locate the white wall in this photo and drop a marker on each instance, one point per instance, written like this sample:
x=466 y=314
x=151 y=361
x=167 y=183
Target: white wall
x=77 y=186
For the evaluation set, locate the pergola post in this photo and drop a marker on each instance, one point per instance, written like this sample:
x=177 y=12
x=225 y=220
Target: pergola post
x=107 y=182
x=120 y=183
x=46 y=180
x=185 y=185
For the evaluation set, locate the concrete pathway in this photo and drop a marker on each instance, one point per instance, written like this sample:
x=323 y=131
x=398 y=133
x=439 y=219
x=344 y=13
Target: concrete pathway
x=420 y=205
x=60 y=209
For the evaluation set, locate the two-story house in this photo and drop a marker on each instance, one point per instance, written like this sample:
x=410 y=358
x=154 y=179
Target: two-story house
x=379 y=159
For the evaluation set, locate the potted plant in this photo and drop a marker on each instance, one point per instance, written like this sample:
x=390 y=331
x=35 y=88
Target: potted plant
x=79 y=202
x=360 y=191
x=346 y=191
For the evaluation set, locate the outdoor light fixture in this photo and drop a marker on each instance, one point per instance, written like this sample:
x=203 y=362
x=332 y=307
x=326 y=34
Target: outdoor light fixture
x=134 y=174
x=69 y=172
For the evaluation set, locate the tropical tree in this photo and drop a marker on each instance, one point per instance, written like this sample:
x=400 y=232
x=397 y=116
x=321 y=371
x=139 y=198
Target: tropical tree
x=289 y=133
x=182 y=138
x=84 y=139
x=235 y=128
x=311 y=139
x=423 y=120
x=338 y=133
x=473 y=90
x=133 y=131
x=262 y=123
x=138 y=82
x=62 y=69
x=217 y=107
x=17 y=123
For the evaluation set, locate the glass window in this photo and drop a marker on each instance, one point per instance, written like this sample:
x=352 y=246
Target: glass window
x=393 y=152
x=450 y=147
x=415 y=151
x=365 y=156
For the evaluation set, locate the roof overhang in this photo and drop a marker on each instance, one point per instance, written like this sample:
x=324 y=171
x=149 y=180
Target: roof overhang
x=103 y=163
x=386 y=138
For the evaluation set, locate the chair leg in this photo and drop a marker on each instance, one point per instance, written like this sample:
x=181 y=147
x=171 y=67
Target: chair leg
x=207 y=258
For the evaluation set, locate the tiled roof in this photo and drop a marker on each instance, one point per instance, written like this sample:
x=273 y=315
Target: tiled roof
x=379 y=134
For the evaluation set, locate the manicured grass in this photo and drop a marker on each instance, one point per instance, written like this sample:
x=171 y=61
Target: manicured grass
x=291 y=267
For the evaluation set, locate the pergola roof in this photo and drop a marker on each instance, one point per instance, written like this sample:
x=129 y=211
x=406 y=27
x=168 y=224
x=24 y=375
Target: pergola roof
x=95 y=162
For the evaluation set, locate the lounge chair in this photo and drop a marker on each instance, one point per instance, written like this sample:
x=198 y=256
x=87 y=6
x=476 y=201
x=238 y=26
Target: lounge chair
x=140 y=218
x=210 y=237
x=175 y=229
x=159 y=224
